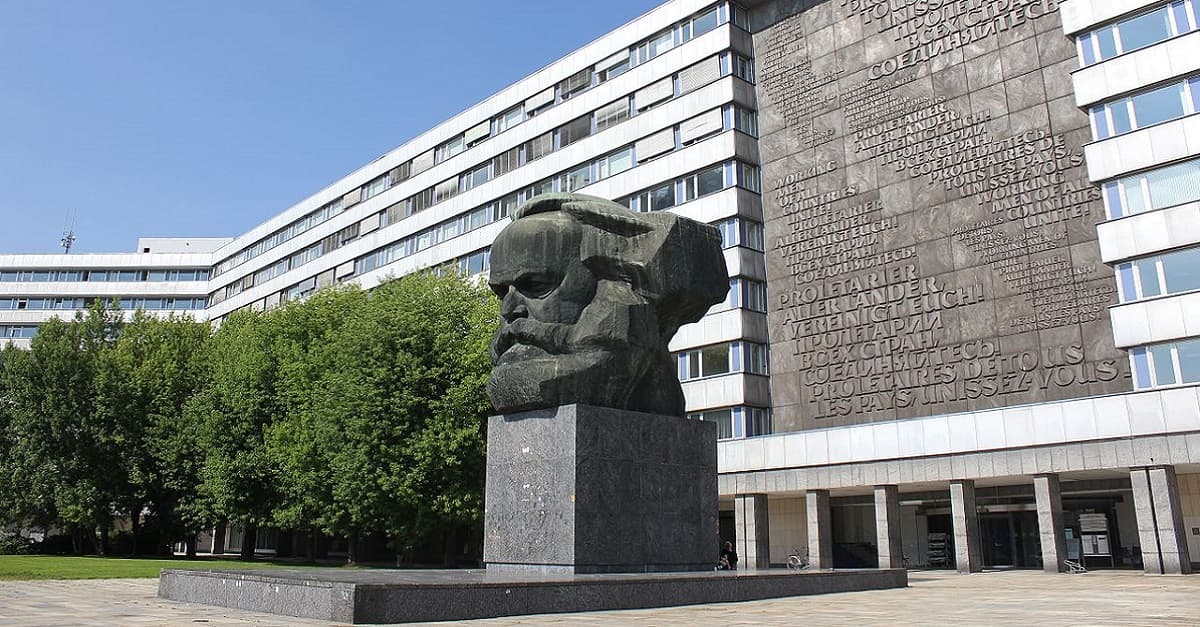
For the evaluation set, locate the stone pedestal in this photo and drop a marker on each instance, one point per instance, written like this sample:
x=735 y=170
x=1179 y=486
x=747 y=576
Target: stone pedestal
x=582 y=489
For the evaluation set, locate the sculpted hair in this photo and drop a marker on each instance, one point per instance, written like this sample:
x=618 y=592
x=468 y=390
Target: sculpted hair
x=675 y=264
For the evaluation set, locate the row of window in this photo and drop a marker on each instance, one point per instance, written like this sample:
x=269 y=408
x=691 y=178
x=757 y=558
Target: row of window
x=1172 y=363
x=734 y=231
x=738 y=422
x=589 y=77
x=597 y=120
x=1138 y=31
x=102 y=276
x=695 y=185
x=126 y=303
x=15 y=331
x=1160 y=275
x=1156 y=189
x=688 y=132
x=724 y=358
x=1161 y=104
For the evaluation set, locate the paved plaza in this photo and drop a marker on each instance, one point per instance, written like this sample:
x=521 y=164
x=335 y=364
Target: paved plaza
x=993 y=598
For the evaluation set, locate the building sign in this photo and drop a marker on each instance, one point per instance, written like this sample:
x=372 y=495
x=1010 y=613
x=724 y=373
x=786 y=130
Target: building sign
x=931 y=229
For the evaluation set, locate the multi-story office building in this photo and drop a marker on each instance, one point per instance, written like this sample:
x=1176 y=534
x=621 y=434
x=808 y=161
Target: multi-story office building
x=168 y=275
x=967 y=232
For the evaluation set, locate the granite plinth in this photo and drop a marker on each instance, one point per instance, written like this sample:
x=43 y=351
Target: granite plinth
x=401 y=596
x=583 y=489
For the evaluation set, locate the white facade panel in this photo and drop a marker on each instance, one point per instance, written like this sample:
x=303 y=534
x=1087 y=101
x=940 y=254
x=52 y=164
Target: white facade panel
x=1123 y=415
x=1132 y=152
x=1147 y=233
x=1157 y=320
x=1165 y=60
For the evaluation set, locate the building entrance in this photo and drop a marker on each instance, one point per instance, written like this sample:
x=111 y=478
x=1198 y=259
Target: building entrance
x=1010 y=539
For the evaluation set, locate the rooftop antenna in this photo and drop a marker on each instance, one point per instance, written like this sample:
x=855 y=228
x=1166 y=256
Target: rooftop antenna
x=68 y=237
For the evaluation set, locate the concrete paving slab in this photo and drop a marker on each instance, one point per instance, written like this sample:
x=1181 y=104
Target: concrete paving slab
x=933 y=598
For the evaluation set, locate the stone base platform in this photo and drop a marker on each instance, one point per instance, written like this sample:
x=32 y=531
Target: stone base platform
x=402 y=596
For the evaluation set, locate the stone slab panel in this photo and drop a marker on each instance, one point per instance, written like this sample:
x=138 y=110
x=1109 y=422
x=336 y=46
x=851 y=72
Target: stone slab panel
x=930 y=225
x=588 y=489
x=364 y=597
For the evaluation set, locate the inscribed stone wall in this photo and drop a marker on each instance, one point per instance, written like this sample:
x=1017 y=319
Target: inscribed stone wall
x=931 y=230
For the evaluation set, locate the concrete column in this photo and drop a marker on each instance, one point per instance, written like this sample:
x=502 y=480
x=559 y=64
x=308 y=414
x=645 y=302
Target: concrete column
x=887 y=526
x=820 y=532
x=1160 y=520
x=967 y=552
x=1050 y=522
x=753 y=531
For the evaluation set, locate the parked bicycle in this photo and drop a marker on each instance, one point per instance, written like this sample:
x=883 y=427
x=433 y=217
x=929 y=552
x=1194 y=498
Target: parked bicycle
x=797 y=560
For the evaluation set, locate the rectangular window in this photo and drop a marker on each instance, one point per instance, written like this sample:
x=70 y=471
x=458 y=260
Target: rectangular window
x=1163 y=104
x=574 y=131
x=657 y=199
x=714 y=360
x=1166 y=364
x=704 y=182
x=1172 y=273
x=475 y=178
x=615 y=163
x=1165 y=187
x=704 y=22
x=723 y=419
x=539 y=146
x=611 y=114
x=376 y=186
x=575 y=179
x=575 y=83
x=1159 y=105
x=613 y=66
x=509 y=119
x=445 y=190
x=449 y=149
x=507 y=161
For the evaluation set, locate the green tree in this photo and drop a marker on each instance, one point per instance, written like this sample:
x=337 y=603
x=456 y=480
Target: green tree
x=231 y=415
x=142 y=385
x=385 y=401
x=62 y=456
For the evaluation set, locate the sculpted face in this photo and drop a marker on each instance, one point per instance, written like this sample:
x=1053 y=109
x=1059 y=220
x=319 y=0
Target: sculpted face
x=542 y=284
x=590 y=295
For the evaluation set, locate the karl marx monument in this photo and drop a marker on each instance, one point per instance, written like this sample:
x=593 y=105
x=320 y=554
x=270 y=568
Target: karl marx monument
x=592 y=466
x=593 y=472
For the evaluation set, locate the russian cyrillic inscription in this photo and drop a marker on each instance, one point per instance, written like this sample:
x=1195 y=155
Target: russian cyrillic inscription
x=931 y=230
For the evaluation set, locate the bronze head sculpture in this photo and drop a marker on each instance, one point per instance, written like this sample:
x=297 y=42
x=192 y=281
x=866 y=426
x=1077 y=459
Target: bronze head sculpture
x=591 y=293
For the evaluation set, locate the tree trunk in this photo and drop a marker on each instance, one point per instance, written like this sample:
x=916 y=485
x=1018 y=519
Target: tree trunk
x=352 y=549
x=312 y=544
x=135 y=521
x=448 y=547
x=219 y=532
x=76 y=540
x=103 y=547
x=249 y=540
x=190 y=543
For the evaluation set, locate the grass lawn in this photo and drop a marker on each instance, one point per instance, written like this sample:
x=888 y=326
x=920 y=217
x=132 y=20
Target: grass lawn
x=14 y=567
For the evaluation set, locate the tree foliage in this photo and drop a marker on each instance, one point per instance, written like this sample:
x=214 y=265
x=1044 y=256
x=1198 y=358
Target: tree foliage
x=352 y=412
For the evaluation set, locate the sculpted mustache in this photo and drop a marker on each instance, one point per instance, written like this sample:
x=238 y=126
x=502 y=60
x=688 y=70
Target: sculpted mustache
x=550 y=337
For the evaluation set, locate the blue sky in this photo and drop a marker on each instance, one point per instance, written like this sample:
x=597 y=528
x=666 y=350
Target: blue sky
x=205 y=118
